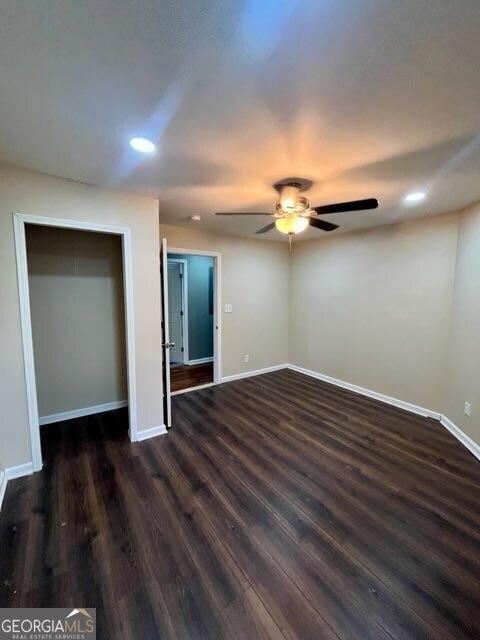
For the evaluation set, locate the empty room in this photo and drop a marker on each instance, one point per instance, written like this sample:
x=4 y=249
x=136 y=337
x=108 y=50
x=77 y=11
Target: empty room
x=240 y=320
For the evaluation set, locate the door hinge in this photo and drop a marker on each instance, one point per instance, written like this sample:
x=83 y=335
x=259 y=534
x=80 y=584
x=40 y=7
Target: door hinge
x=182 y=349
x=181 y=313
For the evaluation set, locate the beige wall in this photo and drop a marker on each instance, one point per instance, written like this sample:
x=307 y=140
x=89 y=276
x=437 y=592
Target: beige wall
x=255 y=281
x=77 y=309
x=372 y=308
x=462 y=379
x=37 y=194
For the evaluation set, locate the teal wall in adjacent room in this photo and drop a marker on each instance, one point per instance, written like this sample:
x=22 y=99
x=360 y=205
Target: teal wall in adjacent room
x=200 y=307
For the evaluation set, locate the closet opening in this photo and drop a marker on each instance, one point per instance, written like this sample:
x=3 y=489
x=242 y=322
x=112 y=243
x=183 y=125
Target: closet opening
x=75 y=287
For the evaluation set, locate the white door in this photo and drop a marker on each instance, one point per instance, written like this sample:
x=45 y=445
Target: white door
x=167 y=400
x=175 y=310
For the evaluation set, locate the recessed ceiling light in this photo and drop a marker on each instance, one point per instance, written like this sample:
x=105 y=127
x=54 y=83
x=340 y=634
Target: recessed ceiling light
x=416 y=196
x=143 y=145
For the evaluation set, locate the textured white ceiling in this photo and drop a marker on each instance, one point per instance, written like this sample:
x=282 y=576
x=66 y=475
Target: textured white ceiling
x=370 y=98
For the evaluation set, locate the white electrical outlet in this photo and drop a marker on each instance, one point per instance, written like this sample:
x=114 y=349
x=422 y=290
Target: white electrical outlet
x=246 y=358
x=228 y=308
x=468 y=409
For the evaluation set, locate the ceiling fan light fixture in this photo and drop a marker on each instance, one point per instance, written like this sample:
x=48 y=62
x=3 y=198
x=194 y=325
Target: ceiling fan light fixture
x=291 y=224
x=288 y=197
x=293 y=213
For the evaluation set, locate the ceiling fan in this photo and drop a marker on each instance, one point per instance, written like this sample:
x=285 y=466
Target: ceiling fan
x=293 y=213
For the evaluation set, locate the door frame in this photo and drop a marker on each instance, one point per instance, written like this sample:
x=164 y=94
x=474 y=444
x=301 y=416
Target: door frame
x=217 y=308
x=185 y=336
x=19 y=222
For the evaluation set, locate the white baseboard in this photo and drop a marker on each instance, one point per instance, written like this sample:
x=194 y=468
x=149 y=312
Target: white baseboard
x=80 y=413
x=236 y=376
x=257 y=372
x=462 y=437
x=197 y=388
x=27 y=468
x=200 y=361
x=408 y=406
x=3 y=486
x=10 y=473
x=151 y=433
x=19 y=471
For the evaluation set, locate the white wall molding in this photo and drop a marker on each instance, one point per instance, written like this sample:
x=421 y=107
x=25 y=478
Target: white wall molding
x=151 y=433
x=19 y=471
x=27 y=340
x=3 y=486
x=462 y=437
x=183 y=262
x=473 y=447
x=80 y=413
x=217 y=304
x=11 y=473
x=257 y=372
x=200 y=361
x=401 y=404
x=197 y=388
x=19 y=222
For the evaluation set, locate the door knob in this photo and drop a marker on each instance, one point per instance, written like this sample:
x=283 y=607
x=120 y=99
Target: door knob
x=167 y=345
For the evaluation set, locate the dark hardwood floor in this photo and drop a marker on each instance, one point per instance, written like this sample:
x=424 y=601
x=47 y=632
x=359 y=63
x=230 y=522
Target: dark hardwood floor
x=186 y=376
x=277 y=507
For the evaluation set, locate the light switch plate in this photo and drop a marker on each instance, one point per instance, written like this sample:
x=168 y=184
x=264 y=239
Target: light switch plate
x=468 y=409
x=227 y=308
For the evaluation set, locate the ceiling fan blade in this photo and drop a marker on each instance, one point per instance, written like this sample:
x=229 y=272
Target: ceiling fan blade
x=240 y=213
x=269 y=227
x=341 y=207
x=323 y=224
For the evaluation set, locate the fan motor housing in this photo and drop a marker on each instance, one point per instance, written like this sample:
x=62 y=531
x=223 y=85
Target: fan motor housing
x=301 y=206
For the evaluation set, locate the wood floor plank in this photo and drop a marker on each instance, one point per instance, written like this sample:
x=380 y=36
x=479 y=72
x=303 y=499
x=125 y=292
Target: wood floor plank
x=217 y=511
x=247 y=617
x=299 y=463
x=284 y=551
x=277 y=507
x=301 y=529
x=369 y=459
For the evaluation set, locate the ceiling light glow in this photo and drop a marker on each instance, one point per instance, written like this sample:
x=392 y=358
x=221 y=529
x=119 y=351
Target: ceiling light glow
x=291 y=224
x=416 y=196
x=143 y=145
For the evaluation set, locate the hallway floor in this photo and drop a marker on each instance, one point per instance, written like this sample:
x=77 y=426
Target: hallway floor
x=185 y=376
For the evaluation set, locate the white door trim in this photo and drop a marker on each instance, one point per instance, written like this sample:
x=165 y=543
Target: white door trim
x=166 y=396
x=184 y=263
x=217 y=304
x=19 y=222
